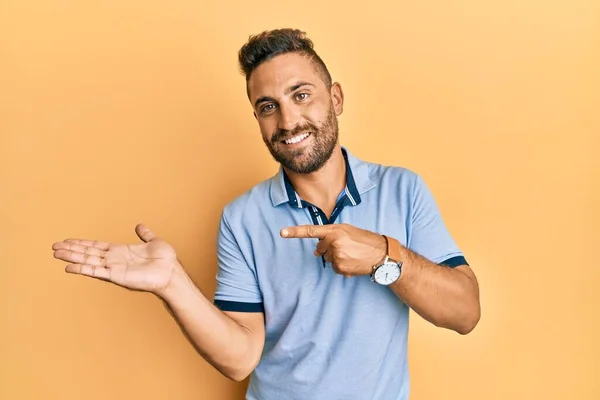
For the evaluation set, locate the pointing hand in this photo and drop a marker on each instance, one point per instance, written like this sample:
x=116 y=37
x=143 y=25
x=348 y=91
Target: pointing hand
x=351 y=250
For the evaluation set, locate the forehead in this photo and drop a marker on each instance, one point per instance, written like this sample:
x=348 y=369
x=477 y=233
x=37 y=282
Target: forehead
x=273 y=77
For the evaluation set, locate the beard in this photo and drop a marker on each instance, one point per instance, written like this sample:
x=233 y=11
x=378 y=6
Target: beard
x=309 y=158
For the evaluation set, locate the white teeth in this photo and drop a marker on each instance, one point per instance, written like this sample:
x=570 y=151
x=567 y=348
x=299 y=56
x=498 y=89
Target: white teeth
x=297 y=139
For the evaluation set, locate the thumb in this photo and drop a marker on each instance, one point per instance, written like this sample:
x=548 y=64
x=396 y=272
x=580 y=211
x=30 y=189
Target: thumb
x=144 y=233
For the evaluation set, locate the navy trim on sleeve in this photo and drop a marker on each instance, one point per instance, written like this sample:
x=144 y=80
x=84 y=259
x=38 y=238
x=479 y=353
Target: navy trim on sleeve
x=239 y=306
x=454 y=262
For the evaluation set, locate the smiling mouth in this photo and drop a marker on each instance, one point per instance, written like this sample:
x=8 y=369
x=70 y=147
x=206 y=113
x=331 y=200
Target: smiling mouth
x=297 y=138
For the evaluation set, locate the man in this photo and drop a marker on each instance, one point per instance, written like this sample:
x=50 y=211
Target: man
x=319 y=265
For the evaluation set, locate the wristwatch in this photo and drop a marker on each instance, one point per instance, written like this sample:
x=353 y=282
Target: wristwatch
x=388 y=271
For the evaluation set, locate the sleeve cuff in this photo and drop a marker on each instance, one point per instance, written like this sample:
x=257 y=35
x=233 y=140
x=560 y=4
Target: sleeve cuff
x=454 y=262
x=224 y=305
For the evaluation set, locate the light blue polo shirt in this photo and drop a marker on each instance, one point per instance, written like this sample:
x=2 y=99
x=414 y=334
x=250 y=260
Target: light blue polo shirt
x=327 y=337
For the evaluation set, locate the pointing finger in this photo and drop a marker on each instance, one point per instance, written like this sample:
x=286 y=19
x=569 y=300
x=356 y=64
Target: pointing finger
x=306 y=231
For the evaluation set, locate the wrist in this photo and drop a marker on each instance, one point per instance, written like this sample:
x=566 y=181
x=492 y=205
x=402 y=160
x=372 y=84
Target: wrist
x=389 y=269
x=395 y=250
x=381 y=250
x=178 y=284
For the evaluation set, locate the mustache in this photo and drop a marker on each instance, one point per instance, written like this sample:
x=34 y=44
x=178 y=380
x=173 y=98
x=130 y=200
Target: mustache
x=283 y=134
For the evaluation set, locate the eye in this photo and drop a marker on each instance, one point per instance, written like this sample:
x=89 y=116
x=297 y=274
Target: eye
x=301 y=96
x=267 y=107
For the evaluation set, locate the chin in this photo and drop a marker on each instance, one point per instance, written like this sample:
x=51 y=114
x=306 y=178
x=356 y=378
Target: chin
x=306 y=167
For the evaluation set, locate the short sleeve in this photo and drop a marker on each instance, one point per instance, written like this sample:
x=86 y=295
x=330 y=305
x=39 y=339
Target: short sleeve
x=428 y=235
x=237 y=286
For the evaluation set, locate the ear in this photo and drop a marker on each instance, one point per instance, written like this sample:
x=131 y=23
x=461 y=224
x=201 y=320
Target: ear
x=337 y=98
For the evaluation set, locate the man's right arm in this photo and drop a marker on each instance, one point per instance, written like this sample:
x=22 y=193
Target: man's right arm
x=232 y=342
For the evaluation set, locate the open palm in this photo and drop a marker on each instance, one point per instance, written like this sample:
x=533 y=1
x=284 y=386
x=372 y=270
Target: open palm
x=147 y=266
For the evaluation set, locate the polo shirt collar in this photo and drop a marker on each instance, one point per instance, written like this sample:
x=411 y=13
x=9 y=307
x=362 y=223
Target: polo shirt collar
x=357 y=183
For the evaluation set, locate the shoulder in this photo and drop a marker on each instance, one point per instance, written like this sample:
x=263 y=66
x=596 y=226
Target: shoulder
x=398 y=177
x=248 y=202
x=398 y=185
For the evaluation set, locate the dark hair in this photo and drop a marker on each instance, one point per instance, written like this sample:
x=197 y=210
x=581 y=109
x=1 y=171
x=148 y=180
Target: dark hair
x=268 y=44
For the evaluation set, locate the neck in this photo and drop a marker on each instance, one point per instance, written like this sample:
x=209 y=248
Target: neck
x=322 y=187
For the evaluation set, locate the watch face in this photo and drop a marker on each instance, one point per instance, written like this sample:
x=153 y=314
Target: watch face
x=387 y=273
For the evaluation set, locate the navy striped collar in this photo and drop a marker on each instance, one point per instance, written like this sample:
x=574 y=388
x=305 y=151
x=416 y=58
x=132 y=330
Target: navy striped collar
x=357 y=182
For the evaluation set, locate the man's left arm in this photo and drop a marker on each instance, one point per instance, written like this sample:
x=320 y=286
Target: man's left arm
x=436 y=280
x=447 y=297
x=431 y=282
x=444 y=295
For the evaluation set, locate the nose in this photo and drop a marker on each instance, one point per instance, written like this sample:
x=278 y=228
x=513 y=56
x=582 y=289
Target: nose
x=289 y=116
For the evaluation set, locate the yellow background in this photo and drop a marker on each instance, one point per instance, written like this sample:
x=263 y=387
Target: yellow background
x=119 y=112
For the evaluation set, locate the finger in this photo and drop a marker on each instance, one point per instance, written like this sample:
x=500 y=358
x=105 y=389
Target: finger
x=328 y=256
x=323 y=245
x=306 y=231
x=344 y=273
x=144 y=233
x=89 y=243
x=79 y=248
x=79 y=258
x=89 y=270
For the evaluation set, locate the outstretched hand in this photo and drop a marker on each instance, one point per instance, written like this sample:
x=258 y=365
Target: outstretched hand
x=147 y=266
x=351 y=250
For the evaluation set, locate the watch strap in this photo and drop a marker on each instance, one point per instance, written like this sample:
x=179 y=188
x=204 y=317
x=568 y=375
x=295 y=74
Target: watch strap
x=393 y=248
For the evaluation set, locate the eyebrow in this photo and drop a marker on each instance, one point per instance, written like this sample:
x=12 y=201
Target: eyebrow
x=287 y=91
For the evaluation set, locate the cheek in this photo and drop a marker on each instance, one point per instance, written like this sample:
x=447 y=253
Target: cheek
x=266 y=130
x=316 y=114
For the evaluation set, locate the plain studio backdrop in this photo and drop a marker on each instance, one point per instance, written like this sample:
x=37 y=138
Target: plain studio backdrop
x=119 y=112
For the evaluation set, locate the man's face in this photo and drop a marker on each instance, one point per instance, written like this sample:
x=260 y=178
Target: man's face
x=296 y=111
